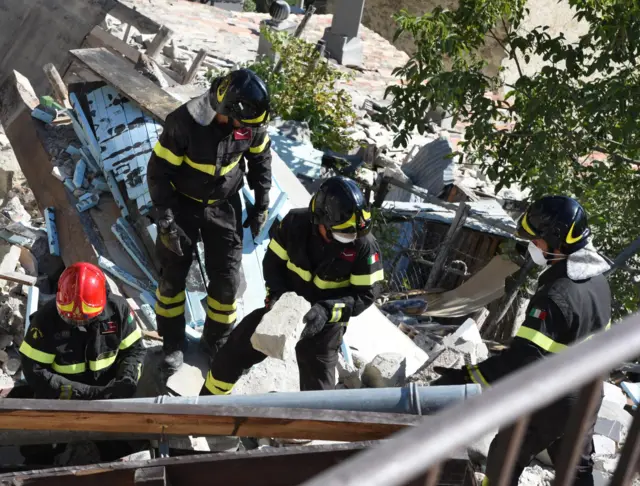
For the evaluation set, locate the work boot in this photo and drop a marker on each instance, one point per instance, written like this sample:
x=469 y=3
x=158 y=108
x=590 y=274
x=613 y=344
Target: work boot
x=210 y=346
x=173 y=359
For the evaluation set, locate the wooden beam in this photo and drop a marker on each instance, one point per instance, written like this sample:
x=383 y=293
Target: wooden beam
x=20 y=278
x=59 y=89
x=200 y=420
x=300 y=463
x=120 y=74
x=159 y=41
x=99 y=37
x=197 y=62
x=130 y=16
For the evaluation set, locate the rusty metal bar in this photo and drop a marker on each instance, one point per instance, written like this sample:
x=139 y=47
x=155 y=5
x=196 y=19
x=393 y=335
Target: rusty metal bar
x=411 y=452
x=512 y=437
x=630 y=457
x=573 y=440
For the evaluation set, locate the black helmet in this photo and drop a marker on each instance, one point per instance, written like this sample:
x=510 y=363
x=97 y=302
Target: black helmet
x=340 y=206
x=559 y=220
x=241 y=95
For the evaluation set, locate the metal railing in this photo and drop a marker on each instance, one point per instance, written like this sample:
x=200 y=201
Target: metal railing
x=507 y=405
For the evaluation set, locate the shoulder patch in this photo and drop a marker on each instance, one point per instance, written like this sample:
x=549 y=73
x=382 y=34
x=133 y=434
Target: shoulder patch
x=374 y=258
x=538 y=313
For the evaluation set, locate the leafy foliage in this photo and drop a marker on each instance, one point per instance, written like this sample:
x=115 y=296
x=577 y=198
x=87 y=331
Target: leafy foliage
x=249 y=6
x=571 y=127
x=306 y=89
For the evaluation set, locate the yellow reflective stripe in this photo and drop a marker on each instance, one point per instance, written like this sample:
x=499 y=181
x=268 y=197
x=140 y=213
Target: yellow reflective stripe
x=303 y=274
x=366 y=214
x=570 y=239
x=139 y=371
x=347 y=224
x=608 y=326
x=210 y=201
x=366 y=280
x=324 y=284
x=103 y=363
x=477 y=377
x=258 y=119
x=525 y=225
x=134 y=336
x=174 y=312
x=260 y=148
x=222 y=318
x=65 y=307
x=276 y=248
x=485 y=481
x=217 y=387
x=206 y=168
x=228 y=168
x=89 y=309
x=216 y=305
x=71 y=369
x=35 y=354
x=540 y=340
x=166 y=154
x=171 y=300
x=336 y=313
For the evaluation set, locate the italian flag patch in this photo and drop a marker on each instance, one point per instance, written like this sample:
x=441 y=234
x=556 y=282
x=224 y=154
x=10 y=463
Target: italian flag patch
x=373 y=258
x=538 y=314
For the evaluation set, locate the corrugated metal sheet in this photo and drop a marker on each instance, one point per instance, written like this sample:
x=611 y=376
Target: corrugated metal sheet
x=431 y=168
x=488 y=208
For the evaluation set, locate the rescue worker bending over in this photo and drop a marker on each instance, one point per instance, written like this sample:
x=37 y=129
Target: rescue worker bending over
x=327 y=255
x=85 y=344
x=572 y=302
x=194 y=176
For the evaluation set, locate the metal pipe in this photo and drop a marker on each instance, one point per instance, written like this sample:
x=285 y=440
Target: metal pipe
x=407 y=454
x=411 y=399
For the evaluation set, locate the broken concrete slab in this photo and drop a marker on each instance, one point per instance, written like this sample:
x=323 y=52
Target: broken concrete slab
x=349 y=374
x=614 y=394
x=15 y=211
x=613 y=422
x=440 y=356
x=280 y=328
x=603 y=446
x=386 y=370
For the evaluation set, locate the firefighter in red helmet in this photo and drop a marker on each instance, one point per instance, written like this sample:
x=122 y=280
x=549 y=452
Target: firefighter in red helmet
x=83 y=345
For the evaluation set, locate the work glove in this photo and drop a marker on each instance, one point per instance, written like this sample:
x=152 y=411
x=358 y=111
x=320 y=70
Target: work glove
x=315 y=320
x=170 y=233
x=256 y=219
x=120 y=388
x=271 y=299
x=80 y=391
x=450 y=376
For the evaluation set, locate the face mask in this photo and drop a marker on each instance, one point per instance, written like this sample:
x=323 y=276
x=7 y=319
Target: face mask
x=344 y=238
x=539 y=256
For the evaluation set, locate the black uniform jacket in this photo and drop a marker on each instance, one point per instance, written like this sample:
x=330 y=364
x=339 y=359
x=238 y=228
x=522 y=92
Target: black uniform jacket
x=206 y=163
x=56 y=356
x=347 y=277
x=561 y=312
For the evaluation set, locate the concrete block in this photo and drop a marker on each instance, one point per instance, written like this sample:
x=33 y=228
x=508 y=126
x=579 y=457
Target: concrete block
x=349 y=374
x=386 y=370
x=467 y=332
x=347 y=51
x=347 y=17
x=606 y=464
x=603 y=446
x=280 y=328
x=78 y=174
x=613 y=421
x=614 y=394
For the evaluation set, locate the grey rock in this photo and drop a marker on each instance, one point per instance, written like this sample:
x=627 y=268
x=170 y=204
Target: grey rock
x=11 y=366
x=613 y=421
x=78 y=454
x=15 y=211
x=606 y=464
x=349 y=375
x=280 y=328
x=386 y=370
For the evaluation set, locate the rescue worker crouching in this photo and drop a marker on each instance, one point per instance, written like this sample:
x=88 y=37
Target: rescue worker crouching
x=327 y=255
x=572 y=302
x=85 y=344
x=194 y=177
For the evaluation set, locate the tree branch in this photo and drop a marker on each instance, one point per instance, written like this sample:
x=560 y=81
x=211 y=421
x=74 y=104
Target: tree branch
x=513 y=51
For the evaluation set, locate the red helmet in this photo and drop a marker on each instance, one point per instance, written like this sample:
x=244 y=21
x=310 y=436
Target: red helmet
x=82 y=293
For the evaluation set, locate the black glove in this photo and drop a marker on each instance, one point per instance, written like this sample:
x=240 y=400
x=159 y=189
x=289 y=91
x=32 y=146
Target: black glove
x=256 y=218
x=170 y=233
x=315 y=320
x=120 y=388
x=80 y=391
x=450 y=376
x=270 y=300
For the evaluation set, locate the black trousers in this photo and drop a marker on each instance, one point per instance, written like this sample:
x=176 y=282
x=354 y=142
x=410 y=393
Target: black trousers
x=546 y=431
x=317 y=358
x=221 y=227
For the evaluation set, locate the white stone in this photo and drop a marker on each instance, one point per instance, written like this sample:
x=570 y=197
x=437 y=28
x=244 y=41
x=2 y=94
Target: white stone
x=536 y=476
x=606 y=464
x=603 y=446
x=14 y=210
x=613 y=393
x=386 y=370
x=613 y=421
x=280 y=328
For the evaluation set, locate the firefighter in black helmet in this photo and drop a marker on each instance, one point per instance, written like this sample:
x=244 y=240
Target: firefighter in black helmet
x=572 y=302
x=326 y=254
x=194 y=176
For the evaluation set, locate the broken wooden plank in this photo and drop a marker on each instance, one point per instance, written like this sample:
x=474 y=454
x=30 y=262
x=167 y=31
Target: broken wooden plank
x=20 y=278
x=99 y=37
x=193 y=70
x=132 y=17
x=200 y=420
x=159 y=41
x=121 y=75
x=59 y=89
